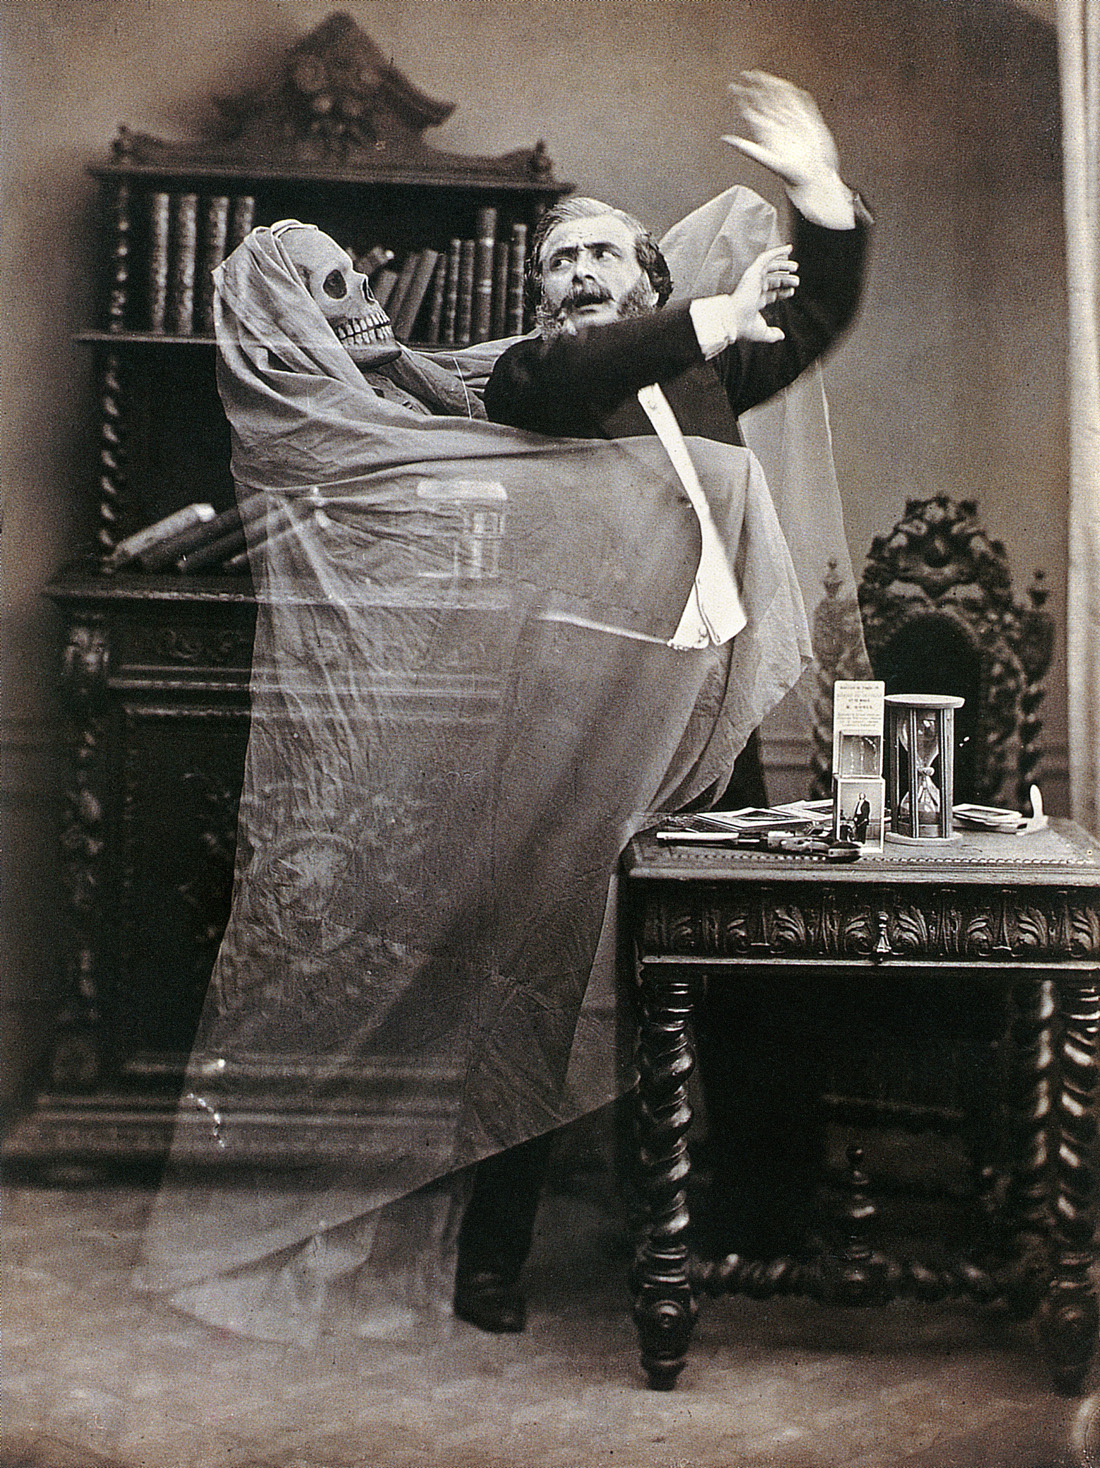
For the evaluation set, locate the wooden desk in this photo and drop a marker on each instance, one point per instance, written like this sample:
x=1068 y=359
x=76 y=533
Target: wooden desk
x=1019 y=910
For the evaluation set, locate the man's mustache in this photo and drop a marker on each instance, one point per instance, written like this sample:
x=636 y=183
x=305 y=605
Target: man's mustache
x=585 y=296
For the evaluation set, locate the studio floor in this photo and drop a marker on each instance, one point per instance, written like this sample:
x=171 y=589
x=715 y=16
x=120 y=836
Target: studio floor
x=98 y=1377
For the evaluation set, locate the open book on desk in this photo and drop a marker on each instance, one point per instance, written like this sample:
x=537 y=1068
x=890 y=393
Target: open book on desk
x=795 y=817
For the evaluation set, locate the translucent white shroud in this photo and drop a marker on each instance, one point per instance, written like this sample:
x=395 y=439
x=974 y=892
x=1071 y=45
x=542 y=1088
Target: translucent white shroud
x=464 y=702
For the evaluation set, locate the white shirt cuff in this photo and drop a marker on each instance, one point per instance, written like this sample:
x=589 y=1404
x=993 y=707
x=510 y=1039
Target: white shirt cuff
x=828 y=202
x=715 y=327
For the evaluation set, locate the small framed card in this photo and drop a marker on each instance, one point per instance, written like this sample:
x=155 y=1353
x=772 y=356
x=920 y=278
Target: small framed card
x=858 y=706
x=859 y=811
x=859 y=791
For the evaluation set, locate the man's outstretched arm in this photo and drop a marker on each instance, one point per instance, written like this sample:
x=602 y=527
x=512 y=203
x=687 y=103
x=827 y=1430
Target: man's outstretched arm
x=785 y=132
x=552 y=385
x=831 y=270
x=565 y=383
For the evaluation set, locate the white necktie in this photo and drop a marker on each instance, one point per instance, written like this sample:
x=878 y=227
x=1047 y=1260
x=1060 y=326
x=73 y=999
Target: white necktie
x=713 y=613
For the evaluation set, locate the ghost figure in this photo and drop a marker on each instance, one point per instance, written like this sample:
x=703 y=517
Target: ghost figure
x=341 y=292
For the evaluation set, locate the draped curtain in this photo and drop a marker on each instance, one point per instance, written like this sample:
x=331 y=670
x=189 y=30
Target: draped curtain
x=1079 y=63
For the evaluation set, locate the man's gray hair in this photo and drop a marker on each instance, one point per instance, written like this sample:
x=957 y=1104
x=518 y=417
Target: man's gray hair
x=579 y=207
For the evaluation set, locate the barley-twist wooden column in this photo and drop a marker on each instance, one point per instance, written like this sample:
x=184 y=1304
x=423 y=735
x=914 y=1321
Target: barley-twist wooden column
x=111 y=475
x=78 y=1057
x=664 y=1304
x=1069 y=1316
x=1031 y=1084
x=1035 y=647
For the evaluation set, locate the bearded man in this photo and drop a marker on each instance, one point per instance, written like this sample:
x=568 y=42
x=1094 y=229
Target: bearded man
x=593 y=265
x=608 y=361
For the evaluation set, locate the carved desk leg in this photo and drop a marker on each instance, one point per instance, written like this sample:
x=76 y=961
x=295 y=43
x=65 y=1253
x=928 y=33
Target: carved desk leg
x=1026 y=1220
x=664 y=1305
x=1069 y=1316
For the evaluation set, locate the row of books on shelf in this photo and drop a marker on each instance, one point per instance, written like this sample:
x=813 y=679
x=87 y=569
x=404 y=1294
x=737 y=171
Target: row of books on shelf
x=470 y=292
x=189 y=236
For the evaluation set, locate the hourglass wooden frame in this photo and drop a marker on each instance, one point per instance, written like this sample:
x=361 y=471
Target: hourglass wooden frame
x=904 y=711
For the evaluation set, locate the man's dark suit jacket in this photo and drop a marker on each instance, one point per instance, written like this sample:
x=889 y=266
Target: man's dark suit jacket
x=584 y=386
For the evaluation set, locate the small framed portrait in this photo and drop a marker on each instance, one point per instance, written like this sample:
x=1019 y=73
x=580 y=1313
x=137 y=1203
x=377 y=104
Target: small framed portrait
x=858 y=811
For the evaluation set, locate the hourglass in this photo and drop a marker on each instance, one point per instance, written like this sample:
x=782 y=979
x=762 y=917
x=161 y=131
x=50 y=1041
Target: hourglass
x=921 y=786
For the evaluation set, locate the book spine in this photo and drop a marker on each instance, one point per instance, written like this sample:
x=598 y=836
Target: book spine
x=181 y=300
x=383 y=286
x=239 y=562
x=501 y=265
x=374 y=259
x=215 y=233
x=401 y=287
x=213 y=553
x=404 y=327
x=482 y=314
x=159 y=557
x=159 y=217
x=464 y=316
x=435 y=310
x=241 y=219
x=450 y=294
x=156 y=534
x=517 y=267
x=190 y=539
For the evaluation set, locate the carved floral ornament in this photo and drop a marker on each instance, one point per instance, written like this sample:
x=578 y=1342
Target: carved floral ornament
x=944 y=922
x=221 y=647
x=938 y=558
x=85 y=658
x=338 y=85
x=938 y=563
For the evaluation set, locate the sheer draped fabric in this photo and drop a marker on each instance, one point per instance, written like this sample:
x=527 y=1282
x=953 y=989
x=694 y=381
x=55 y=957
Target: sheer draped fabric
x=463 y=703
x=789 y=434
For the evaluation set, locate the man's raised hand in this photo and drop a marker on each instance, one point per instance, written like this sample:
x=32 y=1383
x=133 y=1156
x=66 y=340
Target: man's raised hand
x=772 y=276
x=783 y=130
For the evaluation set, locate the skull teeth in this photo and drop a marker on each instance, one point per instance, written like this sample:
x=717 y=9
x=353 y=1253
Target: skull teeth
x=355 y=333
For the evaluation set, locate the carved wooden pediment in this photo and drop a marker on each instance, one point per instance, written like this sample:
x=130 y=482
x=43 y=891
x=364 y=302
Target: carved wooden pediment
x=336 y=106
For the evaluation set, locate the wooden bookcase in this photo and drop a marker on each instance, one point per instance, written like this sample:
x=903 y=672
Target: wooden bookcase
x=155 y=666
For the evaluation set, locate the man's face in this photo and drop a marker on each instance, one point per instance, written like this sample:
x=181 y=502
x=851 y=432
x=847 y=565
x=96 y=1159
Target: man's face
x=591 y=275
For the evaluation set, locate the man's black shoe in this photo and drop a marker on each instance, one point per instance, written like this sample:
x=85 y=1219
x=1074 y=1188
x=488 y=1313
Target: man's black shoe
x=490 y=1301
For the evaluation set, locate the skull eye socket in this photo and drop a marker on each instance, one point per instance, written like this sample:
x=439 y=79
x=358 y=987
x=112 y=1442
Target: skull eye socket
x=335 y=285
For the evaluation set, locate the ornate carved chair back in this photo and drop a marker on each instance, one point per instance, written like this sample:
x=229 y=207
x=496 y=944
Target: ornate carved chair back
x=939 y=616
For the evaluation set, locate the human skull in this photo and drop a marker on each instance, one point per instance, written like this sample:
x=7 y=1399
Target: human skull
x=342 y=293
